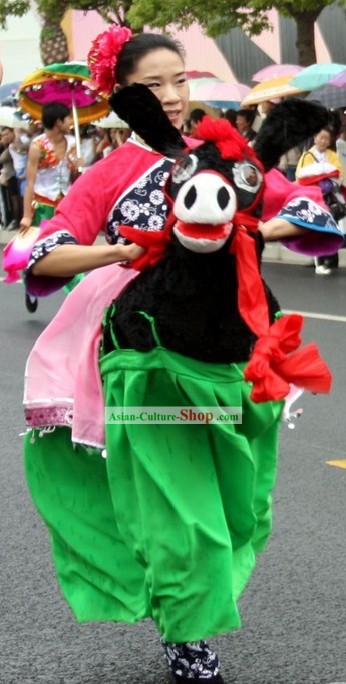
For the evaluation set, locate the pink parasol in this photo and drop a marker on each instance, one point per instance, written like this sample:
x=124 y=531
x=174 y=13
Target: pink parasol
x=197 y=79
x=223 y=94
x=339 y=80
x=276 y=71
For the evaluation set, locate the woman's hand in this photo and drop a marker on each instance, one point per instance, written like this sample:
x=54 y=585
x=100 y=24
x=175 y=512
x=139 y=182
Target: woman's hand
x=24 y=225
x=130 y=252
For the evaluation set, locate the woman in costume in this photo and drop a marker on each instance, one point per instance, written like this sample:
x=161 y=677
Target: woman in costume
x=134 y=538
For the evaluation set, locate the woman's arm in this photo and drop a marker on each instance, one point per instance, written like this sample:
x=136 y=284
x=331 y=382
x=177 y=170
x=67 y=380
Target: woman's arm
x=68 y=260
x=31 y=171
x=278 y=229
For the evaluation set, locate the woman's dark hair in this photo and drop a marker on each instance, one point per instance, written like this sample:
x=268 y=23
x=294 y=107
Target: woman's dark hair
x=231 y=116
x=247 y=114
x=139 y=46
x=196 y=115
x=53 y=112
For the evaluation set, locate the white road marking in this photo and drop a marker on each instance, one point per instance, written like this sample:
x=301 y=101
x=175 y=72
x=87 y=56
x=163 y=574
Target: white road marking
x=306 y=314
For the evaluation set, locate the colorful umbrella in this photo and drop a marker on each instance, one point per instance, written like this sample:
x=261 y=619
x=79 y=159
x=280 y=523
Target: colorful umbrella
x=68 y=83
x=197 y=79
x=110 y=121
x=223 y=95
x=339 y=80
x=316 y=75
x=9 y=90
x=329 y=95
x=269 y=90
x=276 y=71
x=12 y=118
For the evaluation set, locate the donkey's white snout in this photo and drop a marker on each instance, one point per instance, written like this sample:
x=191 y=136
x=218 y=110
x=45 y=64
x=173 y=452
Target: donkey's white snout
x=205 y=198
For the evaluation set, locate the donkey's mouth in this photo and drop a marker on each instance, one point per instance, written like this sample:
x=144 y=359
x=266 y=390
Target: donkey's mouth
x=202 y=237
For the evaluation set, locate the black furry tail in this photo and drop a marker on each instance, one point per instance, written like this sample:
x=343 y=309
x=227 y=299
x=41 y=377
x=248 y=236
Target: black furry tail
x=288 y=124
x=142 y=111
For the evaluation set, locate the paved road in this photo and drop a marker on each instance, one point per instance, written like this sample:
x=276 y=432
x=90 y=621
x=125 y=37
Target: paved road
x=294 y=609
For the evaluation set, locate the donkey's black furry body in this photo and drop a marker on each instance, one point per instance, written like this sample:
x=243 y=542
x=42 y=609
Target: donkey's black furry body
x=193 y=299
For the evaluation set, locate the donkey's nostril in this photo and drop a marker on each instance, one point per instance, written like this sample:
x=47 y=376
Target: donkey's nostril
x=223 y=197
x=190 y=197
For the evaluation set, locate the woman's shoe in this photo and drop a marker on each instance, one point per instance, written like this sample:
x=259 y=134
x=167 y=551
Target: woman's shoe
x=31 y=303
x=322 y=270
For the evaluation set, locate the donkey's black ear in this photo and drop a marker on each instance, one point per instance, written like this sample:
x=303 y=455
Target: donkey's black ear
x=142 y=111
x=288 y=124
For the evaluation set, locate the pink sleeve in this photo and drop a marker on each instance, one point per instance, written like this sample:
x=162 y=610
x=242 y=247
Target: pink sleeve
x=279 y=191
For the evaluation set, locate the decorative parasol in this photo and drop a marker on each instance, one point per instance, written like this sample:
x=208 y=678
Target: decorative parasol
x=68 y=83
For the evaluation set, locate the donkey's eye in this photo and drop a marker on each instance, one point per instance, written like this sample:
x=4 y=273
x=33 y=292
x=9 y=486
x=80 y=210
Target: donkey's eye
x=184 y=169
x=247 y=177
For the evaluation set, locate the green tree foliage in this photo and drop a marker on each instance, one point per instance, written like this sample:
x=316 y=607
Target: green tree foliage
x=53 y=44
x=109 y=9
x=218 y=16
x=15 y=8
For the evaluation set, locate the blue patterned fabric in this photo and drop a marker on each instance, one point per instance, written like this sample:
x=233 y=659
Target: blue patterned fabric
x=325 y=238
x=194 y=660
x=144 y=206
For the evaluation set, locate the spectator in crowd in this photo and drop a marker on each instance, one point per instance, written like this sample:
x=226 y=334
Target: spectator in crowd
x=231 y=116
x=19 y=152
x=51 y=161
x=51 y=168
x=244 y=121
x=88 y=145
x=11 y=200
x=288 y=162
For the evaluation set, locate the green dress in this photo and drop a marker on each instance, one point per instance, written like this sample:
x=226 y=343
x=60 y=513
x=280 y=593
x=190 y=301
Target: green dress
x=168 y=524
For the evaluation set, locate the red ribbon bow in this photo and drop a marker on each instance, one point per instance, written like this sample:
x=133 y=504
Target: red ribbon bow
x=275 y=362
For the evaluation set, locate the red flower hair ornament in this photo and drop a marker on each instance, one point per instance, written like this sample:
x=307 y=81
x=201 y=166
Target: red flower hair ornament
x=103 y=55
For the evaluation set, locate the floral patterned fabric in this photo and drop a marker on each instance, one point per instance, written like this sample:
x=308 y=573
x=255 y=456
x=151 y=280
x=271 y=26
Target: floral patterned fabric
x=144 y=206
x=43 y=247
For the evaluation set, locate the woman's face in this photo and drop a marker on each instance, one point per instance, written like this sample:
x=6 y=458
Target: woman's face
x=163 y=71
x=322 y=141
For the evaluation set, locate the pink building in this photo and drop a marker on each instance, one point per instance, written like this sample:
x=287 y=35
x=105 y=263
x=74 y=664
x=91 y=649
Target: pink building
x=232 y=56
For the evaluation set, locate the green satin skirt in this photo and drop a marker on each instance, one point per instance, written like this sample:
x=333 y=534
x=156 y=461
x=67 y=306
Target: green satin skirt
x=168 y=524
